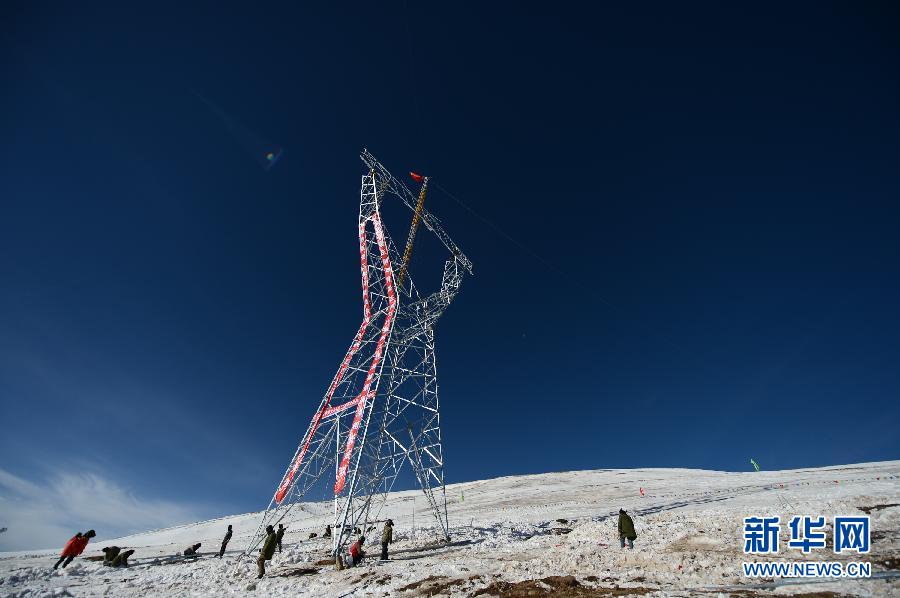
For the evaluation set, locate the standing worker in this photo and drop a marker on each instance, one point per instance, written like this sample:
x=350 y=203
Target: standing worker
x=267 y=551
x=387 y=536
x=626 y=529
x=279 y=535
x=225 y=542
x=74 y=547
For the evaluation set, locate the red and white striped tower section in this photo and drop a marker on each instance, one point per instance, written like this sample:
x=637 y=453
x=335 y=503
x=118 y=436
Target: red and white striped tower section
x=381 y=409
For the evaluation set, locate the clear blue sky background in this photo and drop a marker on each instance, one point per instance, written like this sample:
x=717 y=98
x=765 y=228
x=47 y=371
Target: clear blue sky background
x=708 y=196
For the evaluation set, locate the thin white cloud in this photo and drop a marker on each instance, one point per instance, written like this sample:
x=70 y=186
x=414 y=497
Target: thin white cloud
x=45 y=515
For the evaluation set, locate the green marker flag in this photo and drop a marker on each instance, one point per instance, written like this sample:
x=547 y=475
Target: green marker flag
x=755 y=464
x=462 y=497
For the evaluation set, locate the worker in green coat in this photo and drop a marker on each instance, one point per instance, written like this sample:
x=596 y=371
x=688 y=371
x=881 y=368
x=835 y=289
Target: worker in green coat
x=268 y=550
x=387 y=536
x=626 y=529
x=110 y=553
x=121 y=559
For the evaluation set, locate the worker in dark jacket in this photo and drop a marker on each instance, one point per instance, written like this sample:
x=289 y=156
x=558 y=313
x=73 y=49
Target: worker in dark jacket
x=279 y=535
x=110 y=553
x=387 y=536
x=192 y=550
x=267 y=551
x=327 y=533
x=225 y=542
x=121 y=559
x=626 y=529
x=74 y=547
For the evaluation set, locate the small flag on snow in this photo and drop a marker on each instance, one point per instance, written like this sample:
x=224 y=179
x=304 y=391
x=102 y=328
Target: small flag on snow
x=642 y=492
x=417 y=177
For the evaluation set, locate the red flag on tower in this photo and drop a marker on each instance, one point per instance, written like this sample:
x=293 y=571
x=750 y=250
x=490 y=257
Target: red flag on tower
x=417 y=177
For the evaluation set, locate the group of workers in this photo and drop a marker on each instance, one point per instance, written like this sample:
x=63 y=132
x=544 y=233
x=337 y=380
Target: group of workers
x=114 y=556
x=354 y=557
x=356 y=553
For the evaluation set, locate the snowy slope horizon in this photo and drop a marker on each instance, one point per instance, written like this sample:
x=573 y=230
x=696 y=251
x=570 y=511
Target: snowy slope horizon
x=225 y=520
x=463 y=486
x=509 y=534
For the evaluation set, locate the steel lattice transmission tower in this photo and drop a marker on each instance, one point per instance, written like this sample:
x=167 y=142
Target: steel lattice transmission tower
x=381 y=410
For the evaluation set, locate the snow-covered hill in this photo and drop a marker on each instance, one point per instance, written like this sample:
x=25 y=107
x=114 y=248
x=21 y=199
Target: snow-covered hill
x=549 y=534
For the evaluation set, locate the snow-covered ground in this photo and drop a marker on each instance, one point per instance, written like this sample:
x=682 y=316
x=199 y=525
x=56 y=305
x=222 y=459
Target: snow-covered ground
x=549 y=534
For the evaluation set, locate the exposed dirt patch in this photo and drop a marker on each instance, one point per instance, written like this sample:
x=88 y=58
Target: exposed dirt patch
x=297 y=572
x=560 y=586
x=868 y=510
x=324 y=562
x=891 y=563
x=416 y=584
x=434 y=584
x=372 y=579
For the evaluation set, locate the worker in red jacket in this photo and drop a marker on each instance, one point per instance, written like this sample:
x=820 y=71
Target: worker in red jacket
x=356 y=552
x=74 y=547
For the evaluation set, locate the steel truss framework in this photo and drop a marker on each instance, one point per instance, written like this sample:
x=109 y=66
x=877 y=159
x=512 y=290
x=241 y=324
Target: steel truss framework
x=381 y=410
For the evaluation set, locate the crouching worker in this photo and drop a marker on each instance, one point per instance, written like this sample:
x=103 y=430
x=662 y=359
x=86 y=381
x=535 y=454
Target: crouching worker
x=356 y=552
x=74 y=547
x=626 y=529
x=267 y=551
x=192 y=550
x=121 y=559
x=110 y=553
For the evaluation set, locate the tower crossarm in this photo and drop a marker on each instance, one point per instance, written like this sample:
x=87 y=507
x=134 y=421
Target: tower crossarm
x=394 y=186
x=425 y=312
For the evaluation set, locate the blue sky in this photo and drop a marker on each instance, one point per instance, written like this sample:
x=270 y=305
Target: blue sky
x=703 y=204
